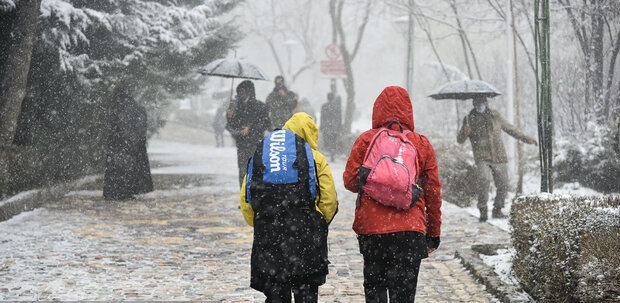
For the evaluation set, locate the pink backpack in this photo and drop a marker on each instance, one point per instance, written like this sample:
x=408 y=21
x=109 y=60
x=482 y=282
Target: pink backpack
x=390 y=169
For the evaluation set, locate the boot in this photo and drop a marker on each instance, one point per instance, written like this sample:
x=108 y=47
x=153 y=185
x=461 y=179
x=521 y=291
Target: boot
x=483 y=215
x=497 y=214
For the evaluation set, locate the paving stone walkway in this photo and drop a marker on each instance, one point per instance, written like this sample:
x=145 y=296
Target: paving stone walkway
x=187 y=241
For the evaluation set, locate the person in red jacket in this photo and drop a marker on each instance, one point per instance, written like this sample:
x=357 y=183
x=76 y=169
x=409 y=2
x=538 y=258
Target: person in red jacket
x=393 y=242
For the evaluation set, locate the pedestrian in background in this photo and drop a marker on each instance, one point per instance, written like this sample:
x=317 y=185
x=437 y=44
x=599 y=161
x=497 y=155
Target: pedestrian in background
x=331 y=124
x=304 y=106
x=291 y=217
x=247 y=120
x=281 y=103
x=127 y=171
x=219 y=124
x=394 y=241
x=483 y=126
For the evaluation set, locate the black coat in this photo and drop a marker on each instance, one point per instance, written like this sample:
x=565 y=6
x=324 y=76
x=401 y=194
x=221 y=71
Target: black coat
x=331 y=117
x=127 y=170
x=290 y=248
x=252 y=114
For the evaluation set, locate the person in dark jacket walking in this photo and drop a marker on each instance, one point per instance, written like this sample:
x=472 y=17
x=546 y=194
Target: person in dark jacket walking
x=483 y=126
x=331 y=124
x=281 y=103
x=127 y=171
x=219 y=124
x=247 y=121
x=289 y=252
x=393 y=242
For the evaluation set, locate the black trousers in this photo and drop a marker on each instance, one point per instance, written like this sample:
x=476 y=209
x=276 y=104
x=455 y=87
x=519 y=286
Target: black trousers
x=305 y=293
x=391 y=265
x=396 y=279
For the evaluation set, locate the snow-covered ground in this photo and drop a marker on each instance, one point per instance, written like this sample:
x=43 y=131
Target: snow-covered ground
x=200 y=157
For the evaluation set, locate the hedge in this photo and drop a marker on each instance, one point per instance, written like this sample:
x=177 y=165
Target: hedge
x=567 y=247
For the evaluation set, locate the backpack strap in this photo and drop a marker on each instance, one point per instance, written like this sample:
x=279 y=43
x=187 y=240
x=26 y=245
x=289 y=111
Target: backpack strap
x=301 y=163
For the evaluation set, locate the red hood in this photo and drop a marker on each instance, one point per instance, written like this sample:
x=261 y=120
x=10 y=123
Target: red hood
x=393 y=104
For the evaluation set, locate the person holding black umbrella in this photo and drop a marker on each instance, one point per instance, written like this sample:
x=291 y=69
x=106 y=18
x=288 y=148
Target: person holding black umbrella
x=483 y=126
x=247 y=121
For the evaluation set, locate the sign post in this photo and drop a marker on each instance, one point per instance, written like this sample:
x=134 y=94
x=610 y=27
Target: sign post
x=334 y=65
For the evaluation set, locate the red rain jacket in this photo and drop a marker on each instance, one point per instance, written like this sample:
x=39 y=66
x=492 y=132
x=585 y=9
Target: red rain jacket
x=373 y=218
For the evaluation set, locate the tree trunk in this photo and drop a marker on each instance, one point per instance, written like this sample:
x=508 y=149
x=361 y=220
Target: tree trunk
x=13 y=79
x=597 y=22
x=335 y=11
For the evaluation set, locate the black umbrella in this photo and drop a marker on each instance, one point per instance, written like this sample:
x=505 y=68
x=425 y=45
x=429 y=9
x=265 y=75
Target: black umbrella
x=465 y=89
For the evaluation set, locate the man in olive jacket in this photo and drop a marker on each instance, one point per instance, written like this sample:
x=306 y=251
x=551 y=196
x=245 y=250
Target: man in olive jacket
x=483 y=126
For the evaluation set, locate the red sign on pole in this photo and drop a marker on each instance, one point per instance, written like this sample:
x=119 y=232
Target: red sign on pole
x=333 y=67
x=334 y=64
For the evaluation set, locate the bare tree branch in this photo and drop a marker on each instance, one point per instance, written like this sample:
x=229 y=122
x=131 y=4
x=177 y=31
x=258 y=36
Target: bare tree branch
x=360 y=31
x=579 y=32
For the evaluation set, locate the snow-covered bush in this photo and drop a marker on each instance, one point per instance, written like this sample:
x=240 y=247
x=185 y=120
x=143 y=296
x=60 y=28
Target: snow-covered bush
x=599 y=272
x=456 y=172
x=566 y=247
x=589 y=159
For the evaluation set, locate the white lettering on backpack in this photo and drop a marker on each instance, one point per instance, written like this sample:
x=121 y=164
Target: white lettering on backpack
x=275 y=148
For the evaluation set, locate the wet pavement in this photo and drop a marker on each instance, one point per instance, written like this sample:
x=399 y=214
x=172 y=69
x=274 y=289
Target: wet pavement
x=187 y=241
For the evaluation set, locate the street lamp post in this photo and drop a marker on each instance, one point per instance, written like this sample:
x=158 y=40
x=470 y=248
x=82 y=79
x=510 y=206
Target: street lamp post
x=289 y=44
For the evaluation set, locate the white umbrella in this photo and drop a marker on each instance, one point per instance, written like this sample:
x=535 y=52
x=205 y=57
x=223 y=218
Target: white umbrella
x=233 y=68
x=465 y=89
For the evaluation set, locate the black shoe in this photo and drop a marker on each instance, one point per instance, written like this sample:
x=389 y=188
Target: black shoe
x=497 y=214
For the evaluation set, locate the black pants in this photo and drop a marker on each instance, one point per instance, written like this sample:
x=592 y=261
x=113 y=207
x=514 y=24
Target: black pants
x=305 y=293
x=391 y=265
x=397 y=279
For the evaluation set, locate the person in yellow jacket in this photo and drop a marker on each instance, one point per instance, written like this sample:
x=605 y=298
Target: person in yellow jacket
x=289 y=252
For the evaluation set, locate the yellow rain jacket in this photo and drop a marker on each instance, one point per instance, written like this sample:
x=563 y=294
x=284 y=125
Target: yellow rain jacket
x=327 y=201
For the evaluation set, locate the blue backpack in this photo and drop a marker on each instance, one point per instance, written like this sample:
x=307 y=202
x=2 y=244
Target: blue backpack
x=282 y=173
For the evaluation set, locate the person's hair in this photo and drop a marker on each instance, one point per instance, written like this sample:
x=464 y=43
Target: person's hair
x=248 y=87
x=330 y=96
x=479 y=99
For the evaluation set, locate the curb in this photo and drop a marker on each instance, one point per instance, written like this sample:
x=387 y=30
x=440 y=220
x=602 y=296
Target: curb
x=32 y=199
x=485 y=274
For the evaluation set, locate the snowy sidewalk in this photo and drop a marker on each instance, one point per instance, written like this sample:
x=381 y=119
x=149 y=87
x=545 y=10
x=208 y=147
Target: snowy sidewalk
x=188 y=241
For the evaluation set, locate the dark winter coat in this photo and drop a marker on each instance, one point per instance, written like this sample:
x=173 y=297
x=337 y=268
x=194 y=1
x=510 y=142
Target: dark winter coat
x=280 y=107
x=331 y=123
x=252 y=114
x=331 y=117
x=127 y=170
x=290 y=246
x=486 y=135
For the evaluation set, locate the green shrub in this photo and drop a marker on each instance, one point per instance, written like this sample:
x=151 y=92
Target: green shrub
x=564 y=247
